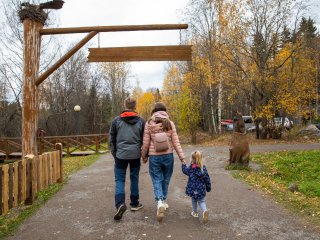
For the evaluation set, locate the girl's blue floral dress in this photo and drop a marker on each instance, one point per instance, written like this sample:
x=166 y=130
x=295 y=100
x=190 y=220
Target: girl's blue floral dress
x=199 y=181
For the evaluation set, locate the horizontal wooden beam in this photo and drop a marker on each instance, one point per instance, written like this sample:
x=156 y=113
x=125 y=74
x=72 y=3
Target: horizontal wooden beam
x=141 y=53
x=122 y=28
x=64 y=58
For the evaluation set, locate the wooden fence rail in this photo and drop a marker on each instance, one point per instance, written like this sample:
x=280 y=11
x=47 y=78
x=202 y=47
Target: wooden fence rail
x=21 y=180
x=71 y=144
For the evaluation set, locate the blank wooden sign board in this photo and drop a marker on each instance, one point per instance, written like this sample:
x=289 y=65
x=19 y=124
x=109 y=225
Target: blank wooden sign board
x=141 y=53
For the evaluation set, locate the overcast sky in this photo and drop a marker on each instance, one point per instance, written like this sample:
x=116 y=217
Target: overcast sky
x=76 y=13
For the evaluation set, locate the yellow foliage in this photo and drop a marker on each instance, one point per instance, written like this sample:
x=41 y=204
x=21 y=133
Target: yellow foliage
x=145 y=104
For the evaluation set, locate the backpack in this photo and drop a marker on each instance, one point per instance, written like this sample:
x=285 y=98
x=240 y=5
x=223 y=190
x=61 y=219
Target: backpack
x=161 y=142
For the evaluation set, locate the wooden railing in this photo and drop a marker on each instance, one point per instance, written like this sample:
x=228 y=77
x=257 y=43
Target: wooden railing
x=21 y=180
x=71 y=144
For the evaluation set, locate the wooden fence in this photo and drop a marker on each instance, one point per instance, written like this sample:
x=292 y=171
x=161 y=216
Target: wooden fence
x=21 y=180
x=93 y=142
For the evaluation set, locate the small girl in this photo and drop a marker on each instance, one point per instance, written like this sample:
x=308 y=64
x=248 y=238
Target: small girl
x=198 y=184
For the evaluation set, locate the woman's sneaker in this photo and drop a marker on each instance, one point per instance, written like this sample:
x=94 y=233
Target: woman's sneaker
x=205 y=217
x=120 y=211
x=165 y=205
x=136 y=207
x=194 y=214
x=160 y=211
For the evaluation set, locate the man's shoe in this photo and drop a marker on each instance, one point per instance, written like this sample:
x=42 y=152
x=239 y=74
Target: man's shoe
x=136 y=207
x=120 y=211
x=205 y=217
x=160 y=211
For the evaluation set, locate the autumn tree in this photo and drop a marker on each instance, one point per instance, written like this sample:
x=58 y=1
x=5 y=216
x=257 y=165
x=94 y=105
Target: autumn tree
x=145 y=104
x=116 y=77
x=182 y=96
x=189 y=106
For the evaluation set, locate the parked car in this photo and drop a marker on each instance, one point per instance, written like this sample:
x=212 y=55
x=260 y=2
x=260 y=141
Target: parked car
x=287 y=123
x=227 y=124
x=248 y=122
x=277 y=121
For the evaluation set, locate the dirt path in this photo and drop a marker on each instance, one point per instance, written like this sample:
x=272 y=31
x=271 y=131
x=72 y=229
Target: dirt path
x=84 y=208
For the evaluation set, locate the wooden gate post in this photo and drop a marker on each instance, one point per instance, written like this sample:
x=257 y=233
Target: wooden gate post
x=31 y=52
x=59 y=147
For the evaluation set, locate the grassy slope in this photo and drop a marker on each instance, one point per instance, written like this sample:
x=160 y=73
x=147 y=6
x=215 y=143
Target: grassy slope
x=284 y=168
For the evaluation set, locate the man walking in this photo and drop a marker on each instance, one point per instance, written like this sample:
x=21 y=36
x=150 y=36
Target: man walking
x=125 y=141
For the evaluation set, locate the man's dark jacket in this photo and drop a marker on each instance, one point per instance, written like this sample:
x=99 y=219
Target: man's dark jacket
x=125 y=135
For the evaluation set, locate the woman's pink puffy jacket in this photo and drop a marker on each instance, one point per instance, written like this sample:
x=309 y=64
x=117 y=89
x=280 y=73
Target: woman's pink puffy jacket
x=149 y=132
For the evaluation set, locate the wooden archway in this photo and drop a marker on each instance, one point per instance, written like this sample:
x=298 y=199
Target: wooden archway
x=33 y=18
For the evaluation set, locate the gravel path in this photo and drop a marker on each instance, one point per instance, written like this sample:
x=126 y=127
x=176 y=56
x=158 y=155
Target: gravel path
x=84 y=208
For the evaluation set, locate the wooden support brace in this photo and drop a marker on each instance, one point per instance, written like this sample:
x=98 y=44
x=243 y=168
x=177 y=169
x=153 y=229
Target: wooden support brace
x=69 y=54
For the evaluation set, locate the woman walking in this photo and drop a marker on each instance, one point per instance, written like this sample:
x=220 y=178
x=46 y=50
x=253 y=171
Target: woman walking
x=159 y=139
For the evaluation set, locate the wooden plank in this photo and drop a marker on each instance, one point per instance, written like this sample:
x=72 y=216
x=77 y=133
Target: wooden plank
x=1 y=189
x=172 y=57
x=141 y=49
x=28 y=182
x=33 y=174
x=48 y=31
x=5 y=188
x=45 y=170
x=24 y=180
x=40 y=173
x=31 y=178
x=53 y=166
x=142 y=53
x=15 y=184
x=49 y=168
x=20 y=173
x=57 y=165
x=10 y=185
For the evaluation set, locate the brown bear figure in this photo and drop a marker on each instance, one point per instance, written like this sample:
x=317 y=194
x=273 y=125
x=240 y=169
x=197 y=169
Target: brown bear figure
x=239 y=147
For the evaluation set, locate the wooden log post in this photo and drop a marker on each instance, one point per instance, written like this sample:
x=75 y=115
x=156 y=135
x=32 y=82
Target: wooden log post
x=1 y=189
x=31 y=179
x=32 y=44
x=60 y=149
x=5 y=188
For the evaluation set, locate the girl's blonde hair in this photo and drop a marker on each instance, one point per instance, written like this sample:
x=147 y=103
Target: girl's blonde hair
x=197 y=159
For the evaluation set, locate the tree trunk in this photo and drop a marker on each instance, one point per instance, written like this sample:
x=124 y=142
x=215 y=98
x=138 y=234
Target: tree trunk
x=220 y=96
x=212 y=110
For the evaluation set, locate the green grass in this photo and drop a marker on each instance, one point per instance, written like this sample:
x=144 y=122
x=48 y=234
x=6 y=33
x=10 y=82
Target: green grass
x=12 y=220
x=237 y=167
x=284 y=168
